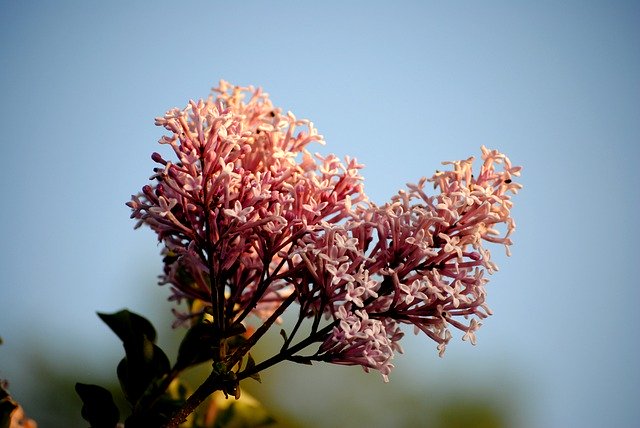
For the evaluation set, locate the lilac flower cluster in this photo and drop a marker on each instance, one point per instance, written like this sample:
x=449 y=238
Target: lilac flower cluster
x=251 y=221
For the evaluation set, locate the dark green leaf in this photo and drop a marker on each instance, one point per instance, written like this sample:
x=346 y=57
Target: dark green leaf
x=197 y=345
x=236 y=338
x=145 y=362
x=235 y=330
x=158 y=416
x=166 y=407
x=146 y=420
x=98 y=407
x=129 y=326
x=140 y=368
x=250 y=365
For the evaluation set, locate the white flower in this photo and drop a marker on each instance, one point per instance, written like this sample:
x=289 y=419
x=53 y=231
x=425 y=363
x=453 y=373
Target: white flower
x=238 y=212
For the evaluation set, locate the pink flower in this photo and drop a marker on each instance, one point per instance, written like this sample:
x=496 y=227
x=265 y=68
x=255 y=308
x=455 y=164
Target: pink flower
x=428 y=259
x=360 y=340
x=236 y=197
x=251 y=221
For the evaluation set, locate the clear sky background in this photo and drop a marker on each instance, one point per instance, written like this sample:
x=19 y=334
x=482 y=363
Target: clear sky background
x=401 y=86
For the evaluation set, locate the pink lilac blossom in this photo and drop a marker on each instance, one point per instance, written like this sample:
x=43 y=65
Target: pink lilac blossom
x=250 y=218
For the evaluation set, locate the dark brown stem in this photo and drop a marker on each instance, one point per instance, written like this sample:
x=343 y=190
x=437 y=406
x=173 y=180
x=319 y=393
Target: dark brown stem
x=286 y=354
x=212 y=384
x=240 y=352
x=215 y=380
x=301 y=317
x=261 y=289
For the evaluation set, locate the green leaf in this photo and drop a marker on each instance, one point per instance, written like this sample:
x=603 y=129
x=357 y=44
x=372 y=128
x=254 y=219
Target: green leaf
x=235 y=336
x=129 y=326
x=140 y=368
x=235 y=330
x=250 y=365
x=144 y=362
x=160 y=413
x=98 y=407
x=158 y=416
x=197 y=345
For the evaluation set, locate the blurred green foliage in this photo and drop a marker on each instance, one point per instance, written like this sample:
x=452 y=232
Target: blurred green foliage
x=295 y=396
x=466 y=413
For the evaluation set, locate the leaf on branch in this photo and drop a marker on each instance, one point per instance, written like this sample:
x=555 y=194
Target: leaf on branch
x=158 y=416
x=196 y=346
x=129 y=326
x=98 y=407
x=235 y=330
x=251 y=363
x=144 y=361
x=142 y=366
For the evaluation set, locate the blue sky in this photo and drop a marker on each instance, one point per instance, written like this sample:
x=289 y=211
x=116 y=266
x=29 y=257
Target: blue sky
x=401 y=86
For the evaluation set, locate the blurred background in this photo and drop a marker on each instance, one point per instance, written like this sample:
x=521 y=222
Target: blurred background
x=401 y=86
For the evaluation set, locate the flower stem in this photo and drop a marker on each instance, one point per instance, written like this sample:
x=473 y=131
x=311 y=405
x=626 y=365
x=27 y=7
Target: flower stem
x=212 y=384
x=287 y=353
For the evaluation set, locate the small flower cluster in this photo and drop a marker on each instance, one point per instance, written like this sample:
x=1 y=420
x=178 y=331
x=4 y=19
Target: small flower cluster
x=417 y=260
x=237 y=197
x=251 y=220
